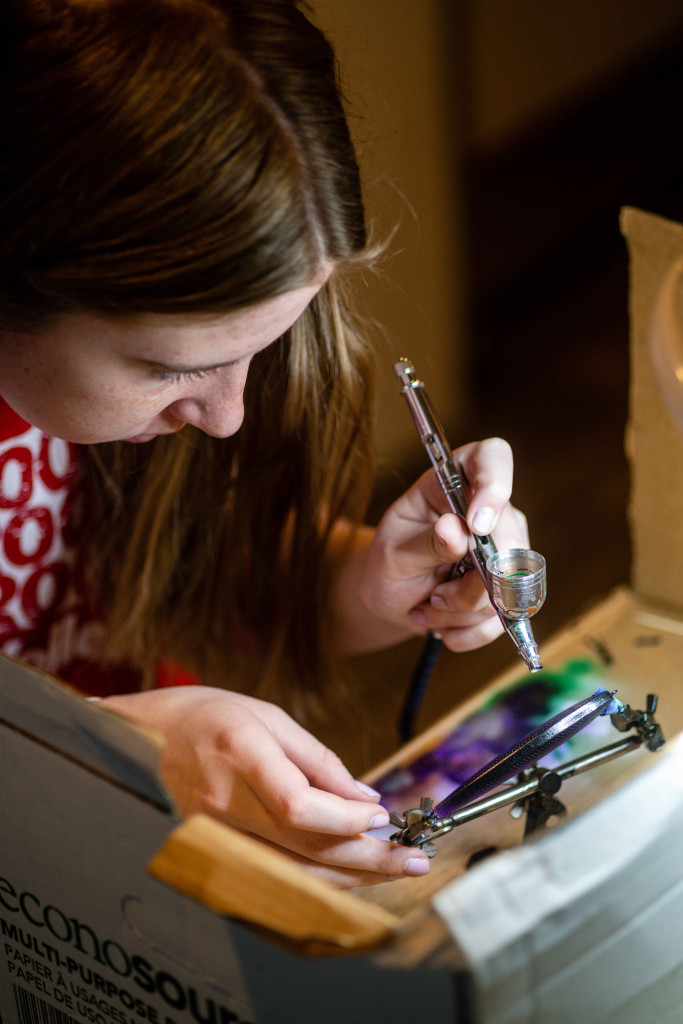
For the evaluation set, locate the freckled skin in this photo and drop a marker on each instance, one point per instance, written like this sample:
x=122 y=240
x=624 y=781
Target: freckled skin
x=90 y=379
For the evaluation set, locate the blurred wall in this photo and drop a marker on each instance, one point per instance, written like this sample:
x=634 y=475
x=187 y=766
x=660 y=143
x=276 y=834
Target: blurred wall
x=531 y=60
x=429 y=81
x=404 y=116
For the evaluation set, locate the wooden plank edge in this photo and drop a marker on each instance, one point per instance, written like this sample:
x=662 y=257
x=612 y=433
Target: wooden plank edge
x=239 y=877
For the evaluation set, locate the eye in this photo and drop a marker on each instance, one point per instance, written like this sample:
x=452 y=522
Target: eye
x=174 y=376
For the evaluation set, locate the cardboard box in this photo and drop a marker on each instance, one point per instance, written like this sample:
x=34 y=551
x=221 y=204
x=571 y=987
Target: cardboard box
x=87 y=934
x=113 y=911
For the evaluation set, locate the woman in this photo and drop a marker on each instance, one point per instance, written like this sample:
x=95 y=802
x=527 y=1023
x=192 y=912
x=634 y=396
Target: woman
x=180 y=204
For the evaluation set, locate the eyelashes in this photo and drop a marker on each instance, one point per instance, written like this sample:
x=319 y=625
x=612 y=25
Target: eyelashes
x=175 y=376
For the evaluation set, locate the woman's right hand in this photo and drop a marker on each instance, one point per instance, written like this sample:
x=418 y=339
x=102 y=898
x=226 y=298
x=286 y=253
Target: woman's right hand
x=249 y=764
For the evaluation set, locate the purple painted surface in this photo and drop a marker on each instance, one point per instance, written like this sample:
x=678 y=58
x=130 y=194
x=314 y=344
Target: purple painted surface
x=527 y=751
x=494 y=727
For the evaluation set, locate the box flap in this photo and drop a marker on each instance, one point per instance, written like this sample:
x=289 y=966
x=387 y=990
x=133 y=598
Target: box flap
x=35 y=704
x=232 y=874
x=602 y=898
x=654 y=442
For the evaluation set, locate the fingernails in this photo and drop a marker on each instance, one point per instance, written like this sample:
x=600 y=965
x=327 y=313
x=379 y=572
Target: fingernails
x=379 y=820
x=416 y=866
x=418 y=617
x=483 y=521
x=437 y=601
x=364 y=788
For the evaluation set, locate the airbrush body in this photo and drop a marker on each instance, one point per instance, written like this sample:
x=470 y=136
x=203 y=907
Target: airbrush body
x=514 y=579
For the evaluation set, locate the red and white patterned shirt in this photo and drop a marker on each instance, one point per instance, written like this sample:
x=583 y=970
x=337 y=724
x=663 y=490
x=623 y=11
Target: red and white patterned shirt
x=46 y=618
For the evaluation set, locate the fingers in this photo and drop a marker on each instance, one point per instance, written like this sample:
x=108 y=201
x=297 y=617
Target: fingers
x=344 y=878
x=321 y=766
x=326 y=831
x=488 y=466
x=462 y=630
x=361 y=860
x=248 y=764
x=316 y=825
x=474 y=636
x=460 y=610
x=468 y=592
x=284 y=791
x=320 y=827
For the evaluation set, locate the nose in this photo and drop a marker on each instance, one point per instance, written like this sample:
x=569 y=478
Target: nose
x=218 y=409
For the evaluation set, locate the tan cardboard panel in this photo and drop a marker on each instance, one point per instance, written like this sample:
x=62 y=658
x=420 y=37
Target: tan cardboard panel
x=654 y=440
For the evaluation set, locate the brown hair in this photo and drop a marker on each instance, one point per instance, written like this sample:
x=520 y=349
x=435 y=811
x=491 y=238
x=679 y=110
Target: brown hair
x=179 y=157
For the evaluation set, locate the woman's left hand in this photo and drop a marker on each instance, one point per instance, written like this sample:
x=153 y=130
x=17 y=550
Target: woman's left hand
x=402 y=582
x=248 y=764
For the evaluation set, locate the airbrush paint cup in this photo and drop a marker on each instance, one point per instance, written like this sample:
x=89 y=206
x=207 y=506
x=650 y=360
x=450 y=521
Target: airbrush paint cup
x=517 y=579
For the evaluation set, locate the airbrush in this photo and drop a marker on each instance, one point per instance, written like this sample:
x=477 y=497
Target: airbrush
x=515 y=579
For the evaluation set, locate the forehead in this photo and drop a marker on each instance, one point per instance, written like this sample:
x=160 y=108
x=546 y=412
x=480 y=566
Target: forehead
x=220 y=338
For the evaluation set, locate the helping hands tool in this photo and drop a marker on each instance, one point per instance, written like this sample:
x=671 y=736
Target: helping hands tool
x=536 y=787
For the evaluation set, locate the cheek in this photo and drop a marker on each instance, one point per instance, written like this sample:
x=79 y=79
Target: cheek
x=76 y=397
x=85 y=413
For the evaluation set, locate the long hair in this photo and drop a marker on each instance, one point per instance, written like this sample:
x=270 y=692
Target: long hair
x=192 y=156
